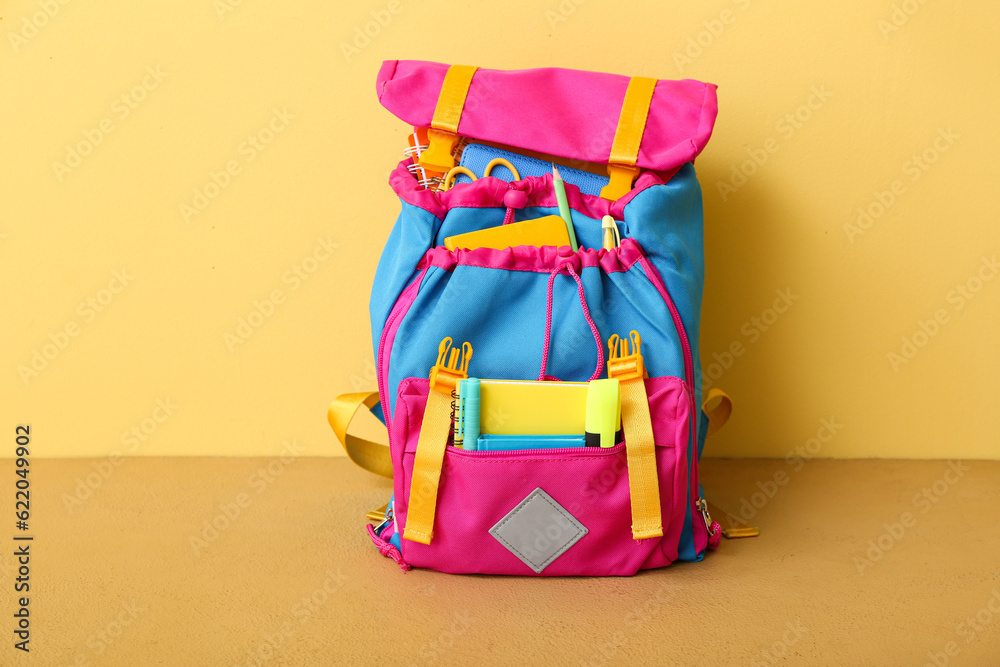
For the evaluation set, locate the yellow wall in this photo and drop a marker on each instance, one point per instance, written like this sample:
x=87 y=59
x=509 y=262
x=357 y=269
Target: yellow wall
x=135 y=298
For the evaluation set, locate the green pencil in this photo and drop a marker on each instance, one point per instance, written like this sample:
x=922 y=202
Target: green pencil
x=564 y=213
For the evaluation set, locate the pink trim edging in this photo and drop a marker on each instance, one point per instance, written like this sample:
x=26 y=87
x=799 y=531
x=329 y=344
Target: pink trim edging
x=489 y=192
x=542 y=259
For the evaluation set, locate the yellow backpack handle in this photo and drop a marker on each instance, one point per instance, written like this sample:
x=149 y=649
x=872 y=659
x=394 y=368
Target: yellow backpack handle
x=372 y=456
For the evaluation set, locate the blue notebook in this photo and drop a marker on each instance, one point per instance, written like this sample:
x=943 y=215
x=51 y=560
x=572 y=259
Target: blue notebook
x=475 y=157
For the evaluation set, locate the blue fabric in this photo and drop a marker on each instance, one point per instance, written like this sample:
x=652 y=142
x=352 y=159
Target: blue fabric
x=502 y=313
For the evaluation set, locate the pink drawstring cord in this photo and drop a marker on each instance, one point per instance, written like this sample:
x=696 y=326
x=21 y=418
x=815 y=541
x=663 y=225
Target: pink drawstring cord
x=586 y=314
x=387 y=549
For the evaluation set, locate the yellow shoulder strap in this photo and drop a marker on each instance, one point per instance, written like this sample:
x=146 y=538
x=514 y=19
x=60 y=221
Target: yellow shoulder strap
x=372 y=456
x=443 y=135
x=628 y=136
x=718 y=414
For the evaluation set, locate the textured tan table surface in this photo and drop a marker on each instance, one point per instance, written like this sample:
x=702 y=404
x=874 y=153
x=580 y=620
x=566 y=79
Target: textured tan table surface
x=116 y=578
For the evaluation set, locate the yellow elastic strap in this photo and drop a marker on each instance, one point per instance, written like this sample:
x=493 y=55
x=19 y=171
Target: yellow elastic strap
x=718 y=414
x=643 y=483
x=372 y=456
x=451 y=100
x=443 y=135
x=427 y=467
x=624 y=155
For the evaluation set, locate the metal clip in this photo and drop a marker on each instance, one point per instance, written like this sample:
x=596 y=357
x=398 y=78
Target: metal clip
x=702 y=506
x=385 y=522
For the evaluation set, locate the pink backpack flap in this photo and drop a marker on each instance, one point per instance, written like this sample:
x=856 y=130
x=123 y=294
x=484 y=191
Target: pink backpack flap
x=566 y=113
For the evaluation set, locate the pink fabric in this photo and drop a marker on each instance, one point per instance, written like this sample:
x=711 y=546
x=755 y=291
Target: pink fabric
x=562 y=112
x=399 y=309
x=490 y=191
x=477 y=489
x=701 y=534
x=538 y=259
x=542 y=375
x=387 y=549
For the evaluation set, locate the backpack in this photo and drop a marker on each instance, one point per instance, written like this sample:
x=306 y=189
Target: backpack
x=453 y=328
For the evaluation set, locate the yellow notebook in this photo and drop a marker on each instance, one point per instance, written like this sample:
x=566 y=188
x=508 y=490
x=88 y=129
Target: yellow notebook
x=514 y=407
x=550 y=230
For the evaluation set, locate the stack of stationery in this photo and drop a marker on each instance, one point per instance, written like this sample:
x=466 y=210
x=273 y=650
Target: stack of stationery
x=512 y=414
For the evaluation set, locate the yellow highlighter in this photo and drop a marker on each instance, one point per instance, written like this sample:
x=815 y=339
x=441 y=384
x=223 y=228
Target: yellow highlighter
x=604 y=413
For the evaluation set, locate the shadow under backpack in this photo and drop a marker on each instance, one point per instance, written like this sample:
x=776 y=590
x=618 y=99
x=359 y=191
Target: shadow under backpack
x=542 y=313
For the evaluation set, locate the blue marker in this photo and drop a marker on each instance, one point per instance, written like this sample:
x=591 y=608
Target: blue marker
x=470 y=412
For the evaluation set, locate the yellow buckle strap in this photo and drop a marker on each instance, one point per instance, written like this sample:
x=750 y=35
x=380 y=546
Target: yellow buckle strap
x=624 y=155
x=640 y=448
x=443 y=135
x=427 y=468
x=452 y=365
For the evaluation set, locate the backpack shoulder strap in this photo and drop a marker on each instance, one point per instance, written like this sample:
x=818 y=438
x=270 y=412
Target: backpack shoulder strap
x=372 y=456
x=718 y=414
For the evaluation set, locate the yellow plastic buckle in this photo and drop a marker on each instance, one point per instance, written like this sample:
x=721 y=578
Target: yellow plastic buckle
x=441 y=145
x=452 y=365
x=620 y=181
x=624 y=364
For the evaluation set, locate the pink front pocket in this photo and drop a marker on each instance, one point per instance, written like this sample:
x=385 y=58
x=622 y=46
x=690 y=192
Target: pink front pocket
x=585 y=527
